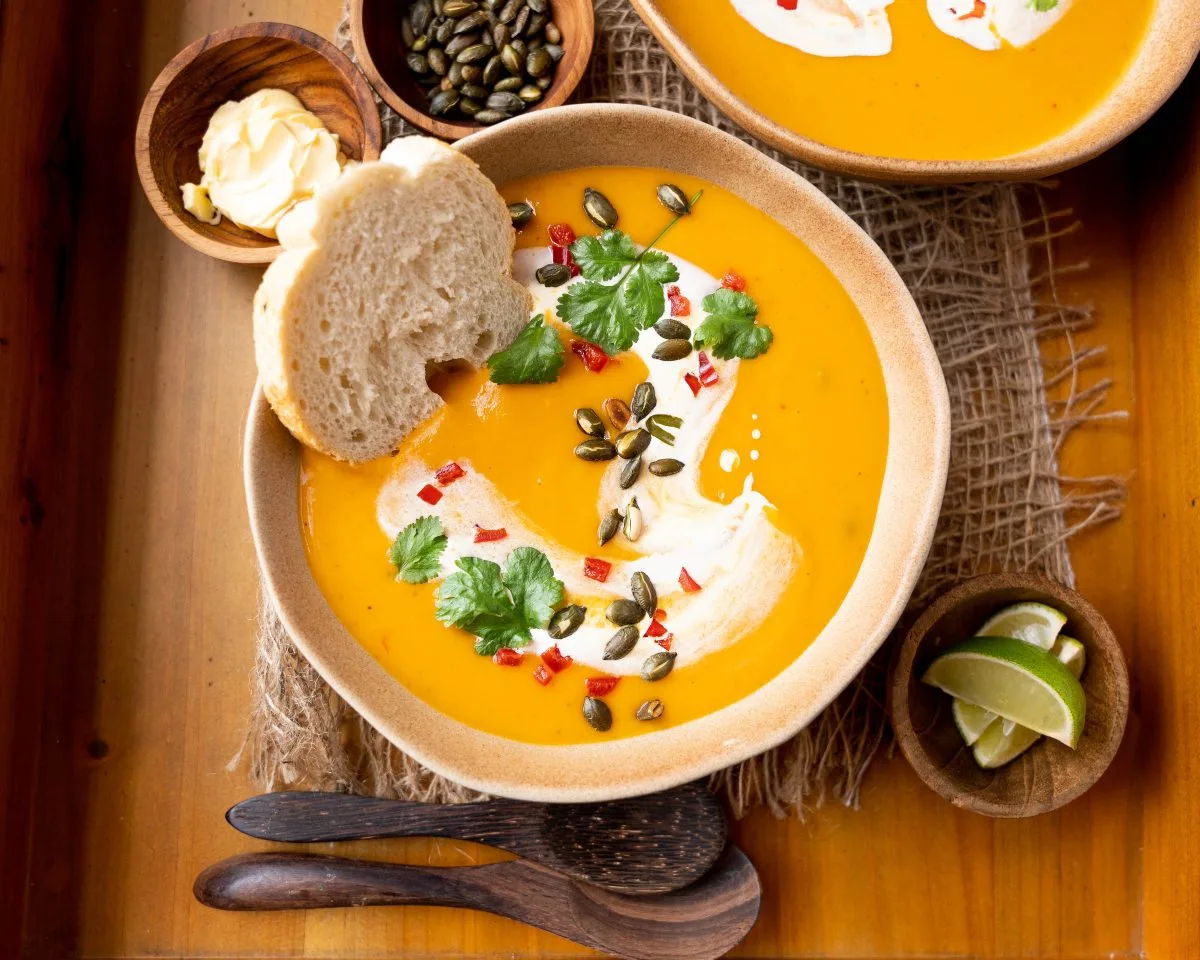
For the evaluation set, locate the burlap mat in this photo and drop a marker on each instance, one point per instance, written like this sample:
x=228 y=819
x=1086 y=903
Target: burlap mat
x=969 y=256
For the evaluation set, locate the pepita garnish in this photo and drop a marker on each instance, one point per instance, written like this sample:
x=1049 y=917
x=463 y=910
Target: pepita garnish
x=597 y=714
x=632 y=443
x=552 y=274
x=610 y=523
x=650 y=710
x=657 y=426
x=566 y=621
x=665 y=467
x=443 y=101
x=644 y=400
x=621 y=643
x=644 y=593
x=630 y=472
x=617 y=410
x=674 y=199
x=672 y=349
x=595 y=450
x=490 y=116
x=538 y=63
x=633 y=523
x=595 y=204
x=507 y=85
x=588 y=420
x=520 y=213
x=624 y=612
x=658 y=665
x=456 y=9
x=553 y=35
x=508 y=102
x=671 y=329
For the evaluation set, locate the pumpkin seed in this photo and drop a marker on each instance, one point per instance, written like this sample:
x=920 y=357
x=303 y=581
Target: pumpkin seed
x=674 y=199
x=455 y=74
x=520 y=213
x=420 y=44
x=595 y=204
x=658 y=665
x=522 y=21
x=552 y=274
x=543 y=83
x=621 y=644
x=555 y=50
x=632 y=443
x=469 y=107
x=618 y=411
x=538 y=63
x=419 y=15
x=438 y=6
x=511 y=59
x=624 y=612
x=529 y=93
x=630 y=472
x=672 y=349
x=501 y=35
x=588 y=420
x=644 y=593
x=509 y=10
x=665 y=467
x=457 y=9
x=650 y=710
x=509 y=103
x=470 y=23
x=632 y=527
x=566 y=621
x=596 y=449
x=644 y=399
x=609 y=526
x=667 y=420
x=439 y=63
x=536 y=42
x=552 y=33
x=520 y=47
x=596 y=713
x=443 y=101
x=476 y=92
x=417 y=63
x=671 y=329
x=471 y=72
x=444 y=32
x=508 y=85
x=458 y=44
x=475 y=52
x=493 y=4
x=407 y=33
x=536 y=22
x=537 y=6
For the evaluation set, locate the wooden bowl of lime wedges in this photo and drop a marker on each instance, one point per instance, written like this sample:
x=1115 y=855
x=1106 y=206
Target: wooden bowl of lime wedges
x=1009 y=695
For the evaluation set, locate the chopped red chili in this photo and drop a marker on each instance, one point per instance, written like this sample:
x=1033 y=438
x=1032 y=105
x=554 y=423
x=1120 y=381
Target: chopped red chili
x=693 y=383
x=977 y=12
x=555 y=660
x=665 y=641
x=660 y=614
x=507 y=657
x=708 y=373
x=430 y=494
x=542 y=675
x=600 y=686
x=735 y=281
x=685 y=580
x=563 y=255
x=656 y=629
x=483 y=535
x=596 y=569
x=592 y=356
x=681 y=306
x=561 y=234
x=787 y=4
x=449 y=473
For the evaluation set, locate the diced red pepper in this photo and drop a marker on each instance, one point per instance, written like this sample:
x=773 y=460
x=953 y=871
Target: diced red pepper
x=656 y=629
x=787 y=4
x=665 y=641
x=592 y=356
x=483 y=535
x=561 y=234
x=735 y=281
x=507 y=657
x=430 y=494
x=449 y=473
x=600 y=686
x=555 y=660
x=660 y=614
x=596 y=569
x=685 y=580
x=681 y=306
x=693 y=383
x=708 y=373
x=542 y=675
x=563 y=255
x=977 y=11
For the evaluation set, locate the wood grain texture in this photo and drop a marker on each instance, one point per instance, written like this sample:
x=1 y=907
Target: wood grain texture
x=231 y=64
x=126 y=625
x=1049 y=774
x=706 y=920
x=651 y=844
x=380 y=50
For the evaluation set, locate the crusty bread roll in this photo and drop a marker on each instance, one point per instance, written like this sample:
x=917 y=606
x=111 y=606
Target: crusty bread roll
x=399 y=264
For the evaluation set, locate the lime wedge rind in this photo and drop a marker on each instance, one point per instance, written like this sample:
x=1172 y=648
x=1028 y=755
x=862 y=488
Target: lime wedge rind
x=1035 y=623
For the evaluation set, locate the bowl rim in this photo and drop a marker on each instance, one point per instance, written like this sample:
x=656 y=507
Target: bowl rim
x=580 y=53
x=1159 y=67
x=910 y=497
x=351 y=76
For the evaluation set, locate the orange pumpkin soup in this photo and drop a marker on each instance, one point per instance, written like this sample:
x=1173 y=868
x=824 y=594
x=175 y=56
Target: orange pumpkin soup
x=789 y=445
x=932 y=95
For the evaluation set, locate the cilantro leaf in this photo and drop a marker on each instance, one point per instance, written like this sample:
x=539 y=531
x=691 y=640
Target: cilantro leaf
x=1042 y=6
x=416 y=552
x=612 y=315
x=730 y=329
x=535 y=356
x=500 y=608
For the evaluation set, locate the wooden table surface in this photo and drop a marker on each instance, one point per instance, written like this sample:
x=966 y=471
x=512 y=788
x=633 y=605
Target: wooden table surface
x=127 y=579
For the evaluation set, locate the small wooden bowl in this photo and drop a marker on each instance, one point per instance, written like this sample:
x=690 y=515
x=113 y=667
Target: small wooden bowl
x=381 y=51
x=1049 y=774
x=229 y=65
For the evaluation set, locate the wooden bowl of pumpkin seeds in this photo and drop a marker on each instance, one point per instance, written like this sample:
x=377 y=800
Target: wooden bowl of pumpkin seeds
x=450 y=67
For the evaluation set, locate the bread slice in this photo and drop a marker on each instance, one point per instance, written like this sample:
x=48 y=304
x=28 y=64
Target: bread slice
x=400 y=264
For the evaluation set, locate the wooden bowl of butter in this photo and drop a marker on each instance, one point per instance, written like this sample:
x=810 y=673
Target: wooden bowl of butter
x=242 y=125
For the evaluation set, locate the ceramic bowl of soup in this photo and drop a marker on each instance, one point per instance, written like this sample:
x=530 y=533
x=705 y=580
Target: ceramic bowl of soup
x=786 y=496
x=933 y=90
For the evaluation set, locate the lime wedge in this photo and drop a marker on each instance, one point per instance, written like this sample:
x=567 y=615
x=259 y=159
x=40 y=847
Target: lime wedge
x=1034 y=623
x=1072 y=653
x=995 y=748
x=971 y=720
x=1016 y=681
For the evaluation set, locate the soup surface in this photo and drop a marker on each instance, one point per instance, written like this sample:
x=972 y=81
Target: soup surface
x=933 y=96
x=772 y=513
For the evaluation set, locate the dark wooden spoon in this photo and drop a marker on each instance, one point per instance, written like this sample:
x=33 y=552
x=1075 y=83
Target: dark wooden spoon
x=650 y=844
x=704 y=920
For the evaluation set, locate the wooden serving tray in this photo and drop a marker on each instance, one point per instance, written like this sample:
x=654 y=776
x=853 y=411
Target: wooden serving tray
x=127 y=580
